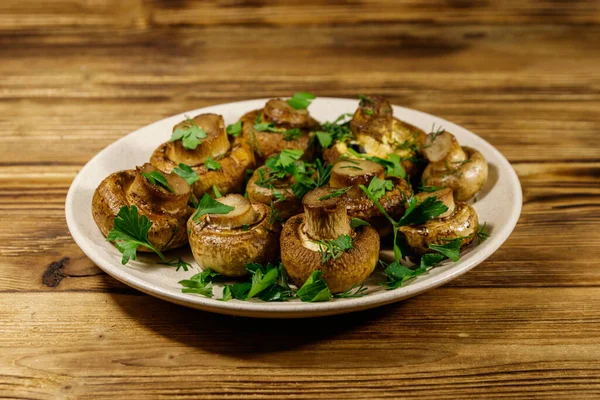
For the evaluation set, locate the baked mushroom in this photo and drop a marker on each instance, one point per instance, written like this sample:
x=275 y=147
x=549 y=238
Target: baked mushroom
x=278 y=126
x=227 y=242
x=165 y=206
x=351 y=173
x=463 y=169
x=305 y=238
x=378 y=133
x=459 y=221
x=219 y=159
x=264 y=187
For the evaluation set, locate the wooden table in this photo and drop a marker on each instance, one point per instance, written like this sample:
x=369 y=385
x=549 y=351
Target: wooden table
x=75 y=75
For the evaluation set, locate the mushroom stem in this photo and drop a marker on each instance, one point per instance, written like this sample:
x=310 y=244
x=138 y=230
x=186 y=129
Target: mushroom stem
x=155 y=198
x=443 y=147
x=445 y=196
x=242 y=214
x=215 y=144
x=325 y=219
x=354 y=173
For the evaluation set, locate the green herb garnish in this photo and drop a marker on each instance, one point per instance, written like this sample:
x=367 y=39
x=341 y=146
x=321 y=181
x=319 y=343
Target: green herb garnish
x=158 y=179
x=335 y=193
x=234 y=129
x=359 y=291
x=334 y=248
x=179 y=263
x=212 y=164
x=216 y=192
x=378 y=187
x=482 y=235
x=451 y=249
x=187 y=173
x=208 y=205
x=130 y=231
x=292 y=134
x=301 y=100
x=357 y=222
x=200 y=283
x=314 y=289
x=190 y=135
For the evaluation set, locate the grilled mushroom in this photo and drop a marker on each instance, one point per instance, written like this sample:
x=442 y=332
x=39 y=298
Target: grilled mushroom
x=277 y=193
x=352 y=173
x=459 y=221
x=378 y=133
x=168 y=211
x=276 y=127
x=233 y=155
x=227 y=242
x=326 y=220
x=463 y=169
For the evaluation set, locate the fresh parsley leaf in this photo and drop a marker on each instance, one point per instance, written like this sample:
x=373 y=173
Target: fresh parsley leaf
x=288 y=156
x=368 y=111
x=200 y=283
x=451 y=249
x=430 y=260
x=262 y=281
x=415 y=214
x=190 y=134
x=378 y=187
x=335 y=193
x=292 y=134
x=130 y=230
x=275 y=215
x=226 y=293
x=301 y=100
x=266 y=126
x=216 y=192
x=363 y=100
x=482 y=235
x=397 y=274
x=157 y=179
x=179 y=263
x=314 y=289
x=236 y=291
x=208 y=205
x=359 y=291
x=187 y=173
x=334 y=248
x=325 y=139
x=357 y=222
x=212 y=164
x=234 y=129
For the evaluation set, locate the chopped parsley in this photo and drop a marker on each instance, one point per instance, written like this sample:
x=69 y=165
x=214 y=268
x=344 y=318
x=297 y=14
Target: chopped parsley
x=179 y=263
x=208 y=205
x=335 y=193
x=212 y=164
x=187 y=173
x=301 y=100
x=190 y=134
x=334 y=248
x=234 y=129
x=157 y=179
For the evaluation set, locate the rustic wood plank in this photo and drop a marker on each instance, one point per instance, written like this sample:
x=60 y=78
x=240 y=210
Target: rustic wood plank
x=436 y=345
x=74 y=14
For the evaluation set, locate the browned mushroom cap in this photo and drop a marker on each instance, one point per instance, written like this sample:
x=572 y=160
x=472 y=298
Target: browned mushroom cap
x=373 y=116
x=444 y=195
x=462 y=223
x=167 y=211
x=279 y=194
x=227 y=242
x=234 y=157
x=280 y=112
x=326 y=220
x=214 y=145
x=267 y=143
x=358 y=204
x=352 y=173
x=463 y=169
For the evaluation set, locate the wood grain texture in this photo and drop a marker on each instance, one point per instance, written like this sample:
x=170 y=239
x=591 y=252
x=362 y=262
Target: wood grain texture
x=524 y=75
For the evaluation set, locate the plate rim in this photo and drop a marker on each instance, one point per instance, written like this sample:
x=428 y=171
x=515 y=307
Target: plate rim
x=295 y=309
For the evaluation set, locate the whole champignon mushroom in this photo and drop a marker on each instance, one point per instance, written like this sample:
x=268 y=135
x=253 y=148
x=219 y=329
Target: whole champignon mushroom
x=327 y=220
x=280 y=195
x=233 y=154
x=352 y=173
x=378 y=133
x=459 y=221
x=168 y=211
x=283 y=117
x=227 y=242
x=463 y=169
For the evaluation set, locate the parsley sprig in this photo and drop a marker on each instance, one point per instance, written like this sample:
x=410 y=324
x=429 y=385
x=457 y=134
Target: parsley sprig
x=179 y=263
x=187 y=173
x=190 y=134
x=301 y=100
x=334 y=248
x=157 y=179
x=336 y=131
x=208 y=205
x=129 y=232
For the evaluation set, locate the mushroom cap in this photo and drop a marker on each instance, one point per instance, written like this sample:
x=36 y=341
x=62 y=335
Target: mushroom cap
x=287 y=204
x=229 y=179
x=167 y=230
x=463 y=223
x=227 y=250
x=466 y=179
x=280 y=112
x=265 y=143
x=351 y=268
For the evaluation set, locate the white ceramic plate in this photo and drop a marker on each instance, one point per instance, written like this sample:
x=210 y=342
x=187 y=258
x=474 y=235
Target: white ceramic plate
x=499 y=204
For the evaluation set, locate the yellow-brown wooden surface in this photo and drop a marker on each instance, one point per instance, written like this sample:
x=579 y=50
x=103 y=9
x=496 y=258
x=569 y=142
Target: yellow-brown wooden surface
x=75 y=75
